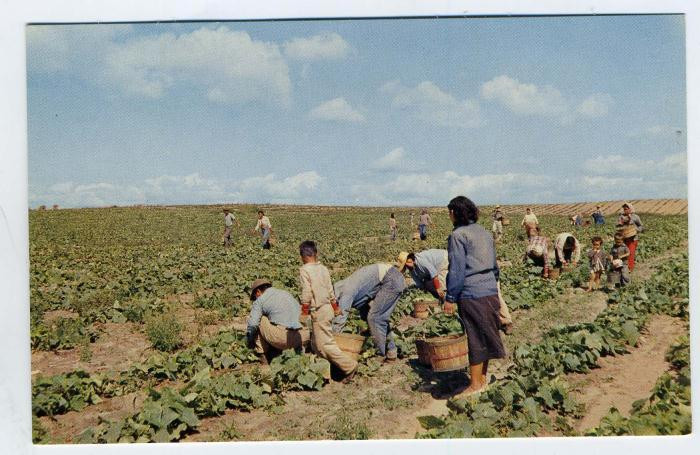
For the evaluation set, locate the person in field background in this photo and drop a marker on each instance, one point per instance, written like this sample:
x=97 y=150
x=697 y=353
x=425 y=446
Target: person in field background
x=629 y=218
x=264 y=228
x=598 y=217
x=392 y=226
x=567 y=250
x=530 y=223
x=472 y=284
x=423 y=222
x=537 y=252
x=497 y=226
x=229 y=219
x=596 y=263
x=619 y=274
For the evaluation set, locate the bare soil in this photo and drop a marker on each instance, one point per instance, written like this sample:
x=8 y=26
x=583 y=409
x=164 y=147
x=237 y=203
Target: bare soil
x=622 y=380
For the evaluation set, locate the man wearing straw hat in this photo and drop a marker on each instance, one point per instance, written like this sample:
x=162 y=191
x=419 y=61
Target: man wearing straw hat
x=229 y=219
x=497 y=227
x=374 y=290
x=273 y=323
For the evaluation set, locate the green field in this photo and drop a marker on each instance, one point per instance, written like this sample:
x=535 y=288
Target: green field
x=136 y=317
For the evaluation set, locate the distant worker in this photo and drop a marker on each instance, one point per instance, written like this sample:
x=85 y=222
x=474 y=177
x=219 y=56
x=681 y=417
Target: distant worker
x=598 y=217
x=318 y=302
x=374 y=291
x=229 y=219
x=274 y=321
x=618 y=275
x=536 y=251
x=423 y=223
x=596 y=263
x=567 y=250
x=392 y=226
x=265 y=229
x=530 y=223
x=497 y=226
x=629 y=218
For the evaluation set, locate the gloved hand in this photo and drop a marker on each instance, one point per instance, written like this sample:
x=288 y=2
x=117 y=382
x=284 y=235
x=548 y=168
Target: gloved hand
x=336 y=308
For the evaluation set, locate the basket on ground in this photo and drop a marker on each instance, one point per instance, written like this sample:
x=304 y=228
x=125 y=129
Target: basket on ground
x=505 y=221
x=350 y=344
x=446 y=353
x=420 y=309
x=553 y=274
x=422 y=351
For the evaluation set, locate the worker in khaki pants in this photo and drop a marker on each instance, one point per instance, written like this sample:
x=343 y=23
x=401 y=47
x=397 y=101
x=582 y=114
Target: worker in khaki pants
x=274 y=321
x=318 y=300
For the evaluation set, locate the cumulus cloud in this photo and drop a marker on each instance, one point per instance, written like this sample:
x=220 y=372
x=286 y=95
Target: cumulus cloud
x=227 y=65
x=674 y=166
x=596 y=105
x=433 y=105
x=297 y=188
x=304 y=187
x=439 y=187
x=337 y=109
x=525 y=99
x=396 y=160
x=322 y=46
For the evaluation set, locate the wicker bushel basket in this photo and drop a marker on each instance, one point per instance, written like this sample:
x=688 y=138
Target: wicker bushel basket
x=448 y=353
x=627 y=231
x=505 y=222
x=422 y=351
x=350 y=344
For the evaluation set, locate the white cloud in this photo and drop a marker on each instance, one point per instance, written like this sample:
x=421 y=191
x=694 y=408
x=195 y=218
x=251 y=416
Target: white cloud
x=300 y=187
x=227 y=65
x=525 y=99
x=304 y=187
x=396 y=160
x=322 y=46
x=337 y=109
x=596 y=105
x=433 y=105
x=671 y=166
x=438 y=188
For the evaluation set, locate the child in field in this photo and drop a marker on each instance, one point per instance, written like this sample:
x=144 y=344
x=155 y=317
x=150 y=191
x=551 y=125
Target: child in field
x=318 y=300
x=619 y=274
x=596 y=260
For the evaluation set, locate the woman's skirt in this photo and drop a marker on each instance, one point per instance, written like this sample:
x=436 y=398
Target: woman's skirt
x=481 y=320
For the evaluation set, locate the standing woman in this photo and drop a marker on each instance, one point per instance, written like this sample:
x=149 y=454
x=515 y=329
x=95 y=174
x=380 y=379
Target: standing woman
x=392 y=226
x=423 y=223
x=629 y=218
x=472 y=283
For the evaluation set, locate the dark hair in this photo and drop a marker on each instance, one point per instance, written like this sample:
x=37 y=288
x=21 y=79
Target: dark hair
x=625 y=206
x=465 y=211
x=569 y=243
x=260 y=211
x=596 y=239
x=392 y=214
x=618 y=235
x=411 y=256
x=307 y=249
x=260 y=288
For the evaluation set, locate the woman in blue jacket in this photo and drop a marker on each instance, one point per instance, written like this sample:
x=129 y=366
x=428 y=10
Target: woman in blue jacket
x=472 y=283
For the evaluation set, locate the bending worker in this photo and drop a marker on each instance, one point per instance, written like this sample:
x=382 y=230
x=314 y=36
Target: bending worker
x=374 y=290
x=567 y=250
x=274 y=321
x=429 y=272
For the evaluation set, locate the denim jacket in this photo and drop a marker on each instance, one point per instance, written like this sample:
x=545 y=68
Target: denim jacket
x=473 y=271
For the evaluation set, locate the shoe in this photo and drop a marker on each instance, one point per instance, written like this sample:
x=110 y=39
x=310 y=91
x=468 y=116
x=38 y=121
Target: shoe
x=390 y=356
x=350 y=375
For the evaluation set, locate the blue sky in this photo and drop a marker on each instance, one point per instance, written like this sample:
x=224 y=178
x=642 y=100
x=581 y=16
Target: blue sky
x=374 y=112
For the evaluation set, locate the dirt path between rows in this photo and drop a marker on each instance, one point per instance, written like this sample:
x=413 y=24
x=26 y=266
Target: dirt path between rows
x=621 y=380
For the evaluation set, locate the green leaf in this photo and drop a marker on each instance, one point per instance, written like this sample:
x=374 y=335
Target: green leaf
x=430 y=422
